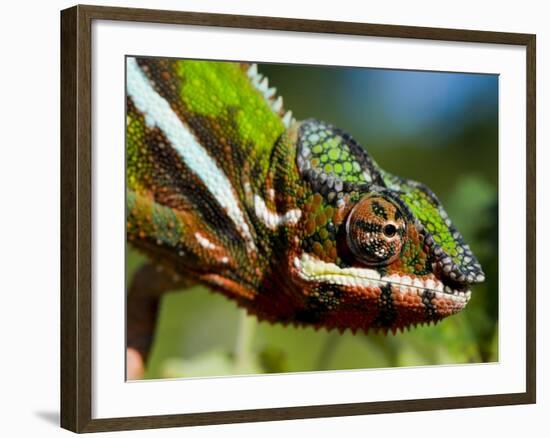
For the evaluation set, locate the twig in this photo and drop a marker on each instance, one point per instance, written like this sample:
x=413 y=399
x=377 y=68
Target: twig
x=243 y=342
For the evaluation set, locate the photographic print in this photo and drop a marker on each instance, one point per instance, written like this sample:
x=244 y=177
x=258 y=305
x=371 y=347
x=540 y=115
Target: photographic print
x=311 y=223
x=291 y=218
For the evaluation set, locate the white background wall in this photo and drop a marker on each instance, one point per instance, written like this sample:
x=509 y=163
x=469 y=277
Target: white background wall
x=29 y=216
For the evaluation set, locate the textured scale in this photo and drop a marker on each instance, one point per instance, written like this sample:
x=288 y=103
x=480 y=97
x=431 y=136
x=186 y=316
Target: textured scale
x=292 y=220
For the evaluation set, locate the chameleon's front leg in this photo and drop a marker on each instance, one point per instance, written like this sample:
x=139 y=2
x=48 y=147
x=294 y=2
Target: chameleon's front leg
x=148 y=285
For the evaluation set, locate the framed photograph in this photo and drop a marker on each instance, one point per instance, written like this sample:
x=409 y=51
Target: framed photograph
x=268 y=218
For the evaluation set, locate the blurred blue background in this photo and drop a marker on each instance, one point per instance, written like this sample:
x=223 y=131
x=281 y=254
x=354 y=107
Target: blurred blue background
x=435 y=127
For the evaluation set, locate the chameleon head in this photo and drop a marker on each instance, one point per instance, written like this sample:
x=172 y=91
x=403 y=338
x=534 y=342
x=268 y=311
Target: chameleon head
x=377 y=251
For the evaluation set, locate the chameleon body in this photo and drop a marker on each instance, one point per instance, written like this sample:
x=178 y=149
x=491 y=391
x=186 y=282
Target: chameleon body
x=293 y=220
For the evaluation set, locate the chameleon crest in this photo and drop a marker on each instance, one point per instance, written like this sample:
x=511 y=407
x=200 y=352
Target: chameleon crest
x=292 y=220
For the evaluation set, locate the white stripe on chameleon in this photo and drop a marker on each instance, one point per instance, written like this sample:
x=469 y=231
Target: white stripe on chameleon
x=204 y=242
x=315 y=270
x=274 y=220
x=158 y=113
x=207 y=244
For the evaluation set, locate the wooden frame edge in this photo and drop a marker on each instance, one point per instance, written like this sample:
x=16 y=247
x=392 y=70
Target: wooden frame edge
x=69 y=320
x=531 y=218
x=76 y=225
x=75 y=220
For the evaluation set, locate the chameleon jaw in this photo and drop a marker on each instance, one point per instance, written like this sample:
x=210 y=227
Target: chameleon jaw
x=313 y=270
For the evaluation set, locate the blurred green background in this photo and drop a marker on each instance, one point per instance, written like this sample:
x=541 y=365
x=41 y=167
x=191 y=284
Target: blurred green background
x=437 y=128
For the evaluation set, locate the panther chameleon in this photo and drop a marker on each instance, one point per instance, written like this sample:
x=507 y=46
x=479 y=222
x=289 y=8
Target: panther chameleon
x=293 y=220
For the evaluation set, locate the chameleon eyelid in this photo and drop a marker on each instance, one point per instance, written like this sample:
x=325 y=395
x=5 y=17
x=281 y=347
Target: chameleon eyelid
x=372 y=236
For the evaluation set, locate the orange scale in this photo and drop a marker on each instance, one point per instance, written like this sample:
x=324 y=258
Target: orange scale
x=373 y=292
x=414 y=299
x=397 y=297
x=443 y=306
x=320 y=219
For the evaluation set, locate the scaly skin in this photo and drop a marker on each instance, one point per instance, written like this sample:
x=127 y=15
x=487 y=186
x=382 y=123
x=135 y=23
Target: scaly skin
x=291 y=220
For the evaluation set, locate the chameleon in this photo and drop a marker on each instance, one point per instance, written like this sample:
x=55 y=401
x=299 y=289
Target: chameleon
x=292 y=220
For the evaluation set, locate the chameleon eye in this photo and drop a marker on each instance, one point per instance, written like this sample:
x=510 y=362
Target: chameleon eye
x=375 y=230
x=389 y=230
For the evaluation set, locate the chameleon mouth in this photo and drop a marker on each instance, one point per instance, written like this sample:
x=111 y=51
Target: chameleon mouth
x=312 y=269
